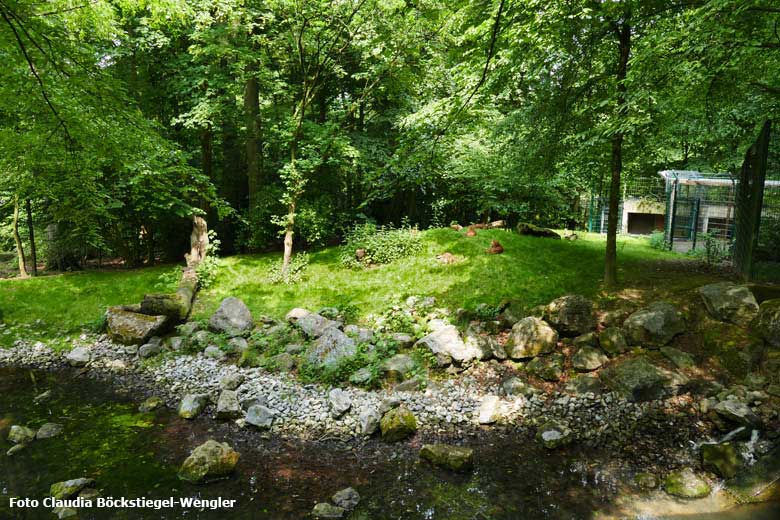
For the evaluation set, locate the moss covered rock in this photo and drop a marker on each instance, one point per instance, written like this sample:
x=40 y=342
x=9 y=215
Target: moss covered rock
x=69 y=488
x=211 y=460
x=531 y=337
x=456 y=458
x=721 y=459
x=133 y=328
x=686 y=484
x=398 y=424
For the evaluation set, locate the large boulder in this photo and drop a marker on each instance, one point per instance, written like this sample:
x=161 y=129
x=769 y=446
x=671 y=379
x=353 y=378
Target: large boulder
x=587 y=359
x=174 y=305
x=232 y=317
x=571 y=315
x=211 y=460
x=549 y=368
x=612 y=341
x=331 y=349
x=487 y=346
x=447 y=345
x=398 y=367
x=398 y=424
x=133 y=328
x=727 y=301
x=456 y=458
x=767 y=323
x=654 y=326
x=636 y=379
x=736 y=412
x=312 y=324
x=526 y=228
x=531 y=337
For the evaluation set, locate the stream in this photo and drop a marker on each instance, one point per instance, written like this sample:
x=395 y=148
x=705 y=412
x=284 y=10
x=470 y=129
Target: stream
x=132 y=454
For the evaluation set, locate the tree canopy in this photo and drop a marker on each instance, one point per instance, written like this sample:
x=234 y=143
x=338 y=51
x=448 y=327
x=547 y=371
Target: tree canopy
x=286 y=122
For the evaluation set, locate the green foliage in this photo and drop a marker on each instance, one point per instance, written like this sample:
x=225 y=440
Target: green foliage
x=769 y=240
x=380 y=244
x=367 y=357
x=208 y=269
x=715 y=250
x=295 y=273
x=658 y=241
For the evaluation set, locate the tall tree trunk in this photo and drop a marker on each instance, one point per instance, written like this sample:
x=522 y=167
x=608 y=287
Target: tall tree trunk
x=31 y=234
x=296 y=185
x=252 y=113
x=18 y=240
x=610 y=259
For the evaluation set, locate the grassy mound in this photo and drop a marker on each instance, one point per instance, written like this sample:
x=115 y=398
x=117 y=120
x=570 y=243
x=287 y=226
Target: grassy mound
x=531 y=271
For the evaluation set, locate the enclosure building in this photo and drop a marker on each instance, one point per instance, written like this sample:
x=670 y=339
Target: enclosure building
x=685 y=205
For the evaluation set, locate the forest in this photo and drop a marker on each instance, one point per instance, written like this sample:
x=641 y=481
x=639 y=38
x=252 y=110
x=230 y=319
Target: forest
x=390 y=259
x=294 y=121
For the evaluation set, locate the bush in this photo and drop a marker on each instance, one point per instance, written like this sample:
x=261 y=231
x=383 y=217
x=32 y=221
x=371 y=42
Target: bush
x=769 y=240
x=208 y=268
x=658 y=240
x=715 y=250
x=296 y=271
x=380 y=244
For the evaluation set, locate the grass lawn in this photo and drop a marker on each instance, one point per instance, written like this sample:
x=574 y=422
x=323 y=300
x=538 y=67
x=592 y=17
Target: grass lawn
x=54 y=306
x=530 y=272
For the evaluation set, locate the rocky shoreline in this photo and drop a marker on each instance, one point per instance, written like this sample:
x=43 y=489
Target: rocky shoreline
x=450 y=409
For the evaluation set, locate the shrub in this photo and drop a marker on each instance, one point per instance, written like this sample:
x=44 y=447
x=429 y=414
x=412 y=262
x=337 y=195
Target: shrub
x=296 y=271
x=715 y=250
x=380 y=244
x=208 y=269
x=658 y=240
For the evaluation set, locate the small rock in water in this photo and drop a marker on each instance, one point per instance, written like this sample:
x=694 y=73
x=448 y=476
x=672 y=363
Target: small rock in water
x=192 y=405
x=456 y=458
x=16 y=448
x=48 y=430
x=326 y=510
x=552 y=435
x=20 y=434
x=151 y=404
x=686 y=484
x=346 y=498
x=45 y=396
x=646 y=481
x=70 y=488
x=398 y=424
x=211 y=460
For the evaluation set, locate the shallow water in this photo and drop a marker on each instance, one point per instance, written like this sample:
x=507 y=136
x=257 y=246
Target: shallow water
x=137 y=455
